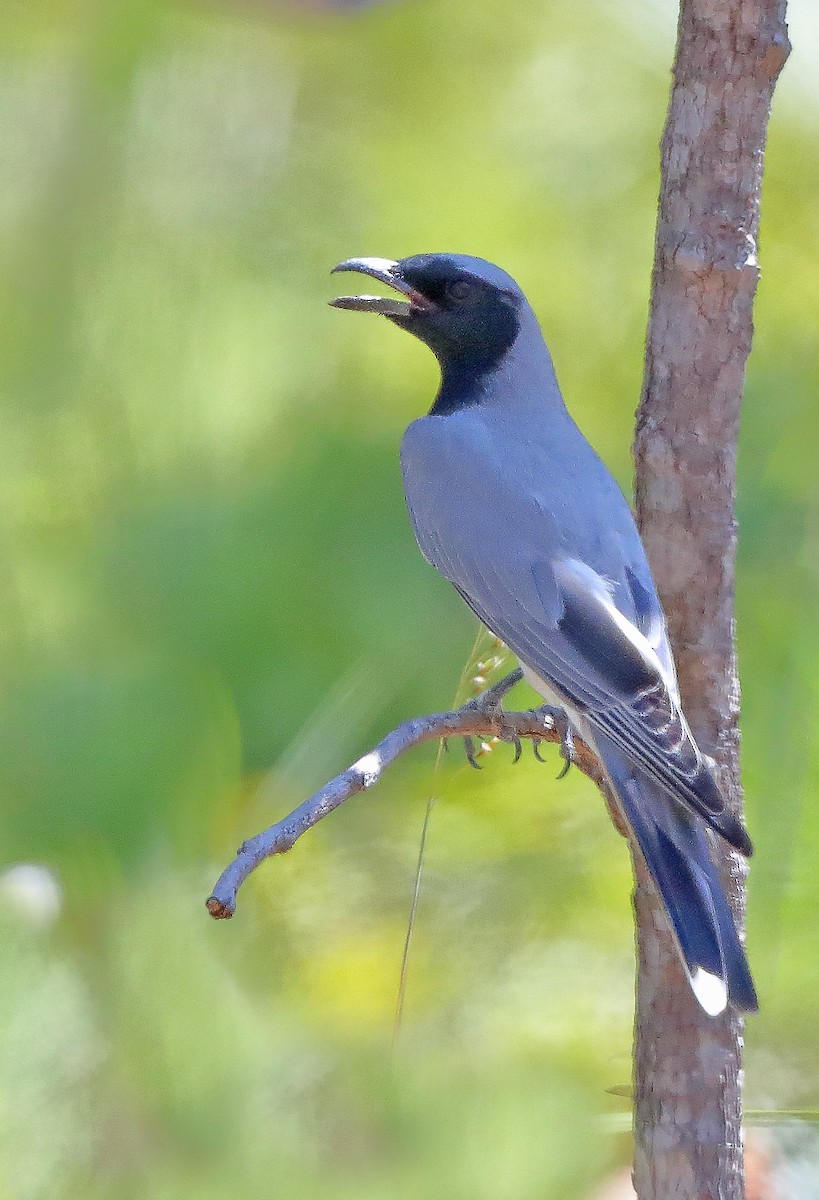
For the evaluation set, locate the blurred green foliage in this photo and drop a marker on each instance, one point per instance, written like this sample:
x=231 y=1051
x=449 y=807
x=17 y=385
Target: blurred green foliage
x=212 y=599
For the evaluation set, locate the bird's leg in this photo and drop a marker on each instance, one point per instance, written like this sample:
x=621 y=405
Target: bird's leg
x=490 y=700
x=559 y=721
x=489 y=703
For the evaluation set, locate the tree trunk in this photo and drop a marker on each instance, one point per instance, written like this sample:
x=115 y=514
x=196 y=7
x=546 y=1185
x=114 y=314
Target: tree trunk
x=729 y=54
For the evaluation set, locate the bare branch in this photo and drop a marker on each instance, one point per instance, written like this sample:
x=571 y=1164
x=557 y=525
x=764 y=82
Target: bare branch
x=480 y=718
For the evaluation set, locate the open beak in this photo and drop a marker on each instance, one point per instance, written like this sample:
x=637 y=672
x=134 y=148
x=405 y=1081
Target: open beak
x=385 y=270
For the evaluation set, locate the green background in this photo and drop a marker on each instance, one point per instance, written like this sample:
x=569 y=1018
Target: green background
x=212 y=600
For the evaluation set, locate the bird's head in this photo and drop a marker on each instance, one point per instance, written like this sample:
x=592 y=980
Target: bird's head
x=465 y=309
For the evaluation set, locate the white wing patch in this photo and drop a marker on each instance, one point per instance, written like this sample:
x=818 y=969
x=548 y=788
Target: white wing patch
x=572 y=574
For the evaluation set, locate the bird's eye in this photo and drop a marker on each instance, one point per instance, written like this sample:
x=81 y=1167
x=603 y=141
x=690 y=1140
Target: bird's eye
x=459 y=290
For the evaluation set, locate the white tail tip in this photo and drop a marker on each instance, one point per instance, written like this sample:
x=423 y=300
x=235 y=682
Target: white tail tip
x=710 y=990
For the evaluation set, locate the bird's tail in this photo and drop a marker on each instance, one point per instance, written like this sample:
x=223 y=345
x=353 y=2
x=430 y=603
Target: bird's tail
x=675 y=849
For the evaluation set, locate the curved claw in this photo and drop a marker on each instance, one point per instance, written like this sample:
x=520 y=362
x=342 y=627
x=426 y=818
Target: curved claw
x=506 y=734
x=566 y=744
x=536 y=752
x=469 y=748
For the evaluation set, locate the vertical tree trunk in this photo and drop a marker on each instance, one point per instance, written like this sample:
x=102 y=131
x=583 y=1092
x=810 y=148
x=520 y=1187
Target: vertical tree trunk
x=729 y=54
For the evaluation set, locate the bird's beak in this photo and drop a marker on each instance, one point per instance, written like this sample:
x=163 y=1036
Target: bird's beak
x=385 y=270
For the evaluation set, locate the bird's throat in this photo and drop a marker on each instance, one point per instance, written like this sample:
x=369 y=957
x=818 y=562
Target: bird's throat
x=460 y=388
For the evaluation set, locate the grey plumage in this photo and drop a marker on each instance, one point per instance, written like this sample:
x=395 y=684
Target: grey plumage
x=512 y=505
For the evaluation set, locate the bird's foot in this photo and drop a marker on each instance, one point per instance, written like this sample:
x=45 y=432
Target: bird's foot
x=559 y=720
x=490 y=704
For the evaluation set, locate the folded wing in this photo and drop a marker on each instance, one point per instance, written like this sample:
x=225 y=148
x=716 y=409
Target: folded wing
x=564 y=625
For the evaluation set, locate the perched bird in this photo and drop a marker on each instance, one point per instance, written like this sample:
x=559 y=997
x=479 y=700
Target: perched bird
x=512 y=505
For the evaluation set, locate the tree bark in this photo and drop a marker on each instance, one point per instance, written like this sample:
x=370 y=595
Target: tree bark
x=688 y=1067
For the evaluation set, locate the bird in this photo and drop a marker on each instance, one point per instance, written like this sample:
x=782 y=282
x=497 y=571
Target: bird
x=510 y=502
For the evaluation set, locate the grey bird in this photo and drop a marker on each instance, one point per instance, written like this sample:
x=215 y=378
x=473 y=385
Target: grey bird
x=513 y=506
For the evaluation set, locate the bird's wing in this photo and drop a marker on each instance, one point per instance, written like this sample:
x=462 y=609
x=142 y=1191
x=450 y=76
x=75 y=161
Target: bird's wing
x=560 y=617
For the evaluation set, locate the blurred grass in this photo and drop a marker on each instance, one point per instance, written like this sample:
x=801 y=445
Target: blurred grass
x=213 y=600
